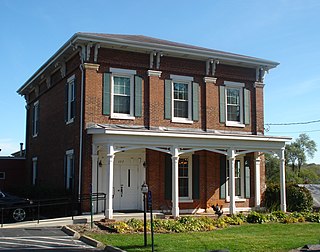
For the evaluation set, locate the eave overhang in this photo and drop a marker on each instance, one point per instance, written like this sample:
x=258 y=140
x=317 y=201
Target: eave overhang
x=189 y=140
x=195 y=53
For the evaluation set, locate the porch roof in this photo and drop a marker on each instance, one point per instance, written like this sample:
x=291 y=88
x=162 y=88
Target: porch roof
x=156 y=139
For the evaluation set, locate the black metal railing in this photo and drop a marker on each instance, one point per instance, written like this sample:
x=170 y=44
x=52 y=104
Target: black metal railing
x=56 y=207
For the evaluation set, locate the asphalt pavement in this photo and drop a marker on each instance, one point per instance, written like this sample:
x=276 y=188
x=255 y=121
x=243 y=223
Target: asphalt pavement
x=40 y=240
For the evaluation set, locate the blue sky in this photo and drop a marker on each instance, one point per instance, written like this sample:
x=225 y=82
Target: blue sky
x=286 y=31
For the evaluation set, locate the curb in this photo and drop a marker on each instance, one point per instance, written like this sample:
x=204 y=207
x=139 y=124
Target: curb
x=90 y=241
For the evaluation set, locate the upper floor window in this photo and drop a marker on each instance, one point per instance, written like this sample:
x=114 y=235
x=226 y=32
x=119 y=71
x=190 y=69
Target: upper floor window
x=122 y=94
x=70 y=99
x=35 y=119
x=234 y=104
x=181 y=99
x=69 y=176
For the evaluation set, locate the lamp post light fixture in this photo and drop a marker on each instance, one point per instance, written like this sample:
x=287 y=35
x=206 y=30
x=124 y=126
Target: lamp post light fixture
x=144 y=190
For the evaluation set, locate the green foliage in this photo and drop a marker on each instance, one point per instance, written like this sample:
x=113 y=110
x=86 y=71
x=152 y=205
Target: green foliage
x=297 y=152
x=272 y=164
x=254 y=217
x=298 y=198
x=312 y=217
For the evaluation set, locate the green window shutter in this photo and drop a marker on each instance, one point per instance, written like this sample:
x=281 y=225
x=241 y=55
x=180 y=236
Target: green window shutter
x=137 y=96
x=247 y=106
x=222 y=105
x=106 y=93
x=223 y=176
x=66 y=95
x=247 y=188
x=73 y=104
x=167 y=99
x=195 y=101
x=168 y=177
x=195 y=177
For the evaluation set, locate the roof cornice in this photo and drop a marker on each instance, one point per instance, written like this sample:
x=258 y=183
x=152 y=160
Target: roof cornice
x=177 y=50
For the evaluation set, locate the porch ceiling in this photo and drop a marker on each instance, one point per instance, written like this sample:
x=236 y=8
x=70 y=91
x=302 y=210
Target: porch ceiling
x=124 y=139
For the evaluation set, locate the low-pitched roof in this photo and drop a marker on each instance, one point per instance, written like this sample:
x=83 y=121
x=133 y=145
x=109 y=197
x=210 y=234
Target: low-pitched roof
x=147 y=44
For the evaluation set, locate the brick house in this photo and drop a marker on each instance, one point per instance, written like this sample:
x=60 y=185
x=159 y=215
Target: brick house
x=115 y=111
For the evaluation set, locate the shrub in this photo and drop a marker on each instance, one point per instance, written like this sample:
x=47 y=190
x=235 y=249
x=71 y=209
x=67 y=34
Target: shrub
x=298 y=198
x=254 y=217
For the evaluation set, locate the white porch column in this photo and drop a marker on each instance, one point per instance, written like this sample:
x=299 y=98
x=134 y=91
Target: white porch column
x=94 y=167
x=257 y=182
x=175 y=181
x=109 y=179
x=94 y=183
x=283 y=200
x=232 y=182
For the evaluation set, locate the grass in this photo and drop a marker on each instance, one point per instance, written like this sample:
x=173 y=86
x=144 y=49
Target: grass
x=248 y=237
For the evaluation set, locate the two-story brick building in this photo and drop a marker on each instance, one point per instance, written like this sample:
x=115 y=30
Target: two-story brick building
x=115 y=111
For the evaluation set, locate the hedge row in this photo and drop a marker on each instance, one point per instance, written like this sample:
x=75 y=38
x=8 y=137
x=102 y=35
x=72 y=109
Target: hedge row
x=193 y=224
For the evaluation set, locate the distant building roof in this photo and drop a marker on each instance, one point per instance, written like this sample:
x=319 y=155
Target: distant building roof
x=315 y=192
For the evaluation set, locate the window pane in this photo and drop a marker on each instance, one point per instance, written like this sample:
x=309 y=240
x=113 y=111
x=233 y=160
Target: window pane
x=181 y=109
x=183 y=177
x=183 y=187
x=181 y=91
x=121 y=104
x=238 y=186
x=121 y=85
x=233 y=104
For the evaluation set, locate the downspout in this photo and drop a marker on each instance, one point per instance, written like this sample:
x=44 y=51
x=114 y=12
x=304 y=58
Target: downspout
x=82 y=55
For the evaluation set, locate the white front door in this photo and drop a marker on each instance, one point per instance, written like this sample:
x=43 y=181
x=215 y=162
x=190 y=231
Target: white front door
x=126 y=188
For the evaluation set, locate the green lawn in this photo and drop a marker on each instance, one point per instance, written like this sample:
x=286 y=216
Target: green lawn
x=248 y=237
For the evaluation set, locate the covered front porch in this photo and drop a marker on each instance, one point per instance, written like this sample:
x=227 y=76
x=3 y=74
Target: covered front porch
x=115 y=142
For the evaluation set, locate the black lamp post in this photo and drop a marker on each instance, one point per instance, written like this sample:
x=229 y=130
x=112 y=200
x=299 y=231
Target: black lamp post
x=144 y=190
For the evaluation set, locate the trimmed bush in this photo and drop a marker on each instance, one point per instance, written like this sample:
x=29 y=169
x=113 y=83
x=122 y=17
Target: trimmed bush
x=298 y=198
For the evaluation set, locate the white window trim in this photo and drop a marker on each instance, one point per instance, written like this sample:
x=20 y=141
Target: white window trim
x=119 y=72
x=70 y=81
x=69 y=153
x=240 y=86
x=34 y=170
x=185 y=80
x=189 y=198
x=35 y=115
x=242 y=197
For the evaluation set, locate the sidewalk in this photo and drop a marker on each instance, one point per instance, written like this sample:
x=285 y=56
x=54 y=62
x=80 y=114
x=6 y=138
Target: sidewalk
x=80 y=219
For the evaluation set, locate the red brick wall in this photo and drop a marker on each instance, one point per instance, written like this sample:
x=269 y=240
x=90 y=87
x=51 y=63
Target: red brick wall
x=15 y=174
x=209 y=181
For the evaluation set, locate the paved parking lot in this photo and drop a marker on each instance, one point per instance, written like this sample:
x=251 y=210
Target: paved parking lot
x=40 y=239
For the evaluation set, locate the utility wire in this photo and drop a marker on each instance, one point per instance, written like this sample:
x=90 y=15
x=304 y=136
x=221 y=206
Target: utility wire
x=293 y=132
x=292 y=123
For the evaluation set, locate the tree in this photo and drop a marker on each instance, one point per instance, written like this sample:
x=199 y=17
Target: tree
x=272 y=168
x=297 y=152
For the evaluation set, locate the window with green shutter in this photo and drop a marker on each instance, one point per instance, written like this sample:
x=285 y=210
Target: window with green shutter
x=235 y=105
x=122 y=94
x=181 y=99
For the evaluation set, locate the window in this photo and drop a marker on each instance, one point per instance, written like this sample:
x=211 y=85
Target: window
x=122 y=93
x=35 y=119
x=70 y=99
x=239 y=181
x=234 y=104
x=2 y=175
x=34 y=170
x=185 y=177
x=182 y=99
x=69 y=176
x=234 y=113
